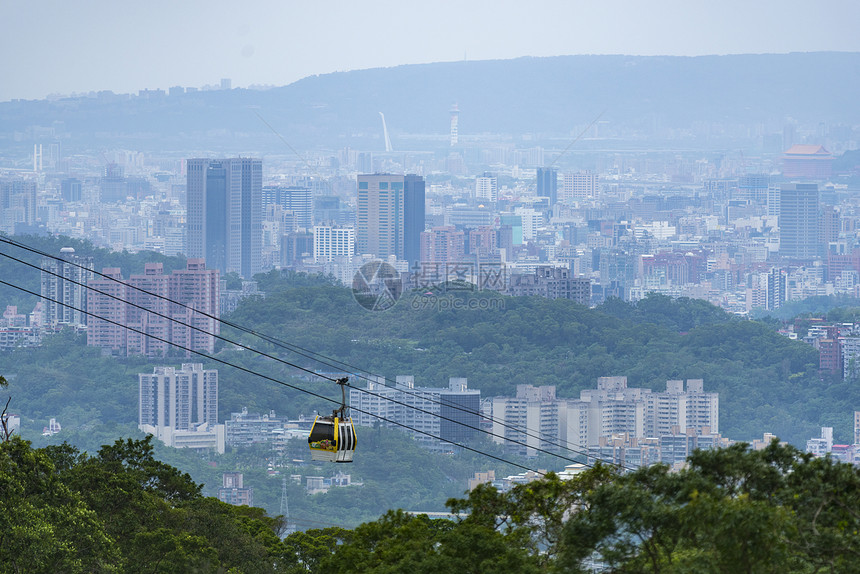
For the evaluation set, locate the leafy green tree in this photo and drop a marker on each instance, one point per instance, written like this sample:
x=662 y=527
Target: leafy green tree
x=45 y=526
x=730 y=510
x=399 y=542
x=533 y=513
x=303 y=552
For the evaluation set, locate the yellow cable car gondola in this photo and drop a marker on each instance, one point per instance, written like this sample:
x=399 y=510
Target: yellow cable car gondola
x=332 y=438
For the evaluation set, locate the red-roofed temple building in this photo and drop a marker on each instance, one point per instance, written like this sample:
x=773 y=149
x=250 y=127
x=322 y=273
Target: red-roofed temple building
x=807 y=162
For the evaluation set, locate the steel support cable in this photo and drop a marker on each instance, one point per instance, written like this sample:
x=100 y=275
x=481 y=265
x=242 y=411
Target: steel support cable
x=272 y=379
x=274 y=358
x=291 y=347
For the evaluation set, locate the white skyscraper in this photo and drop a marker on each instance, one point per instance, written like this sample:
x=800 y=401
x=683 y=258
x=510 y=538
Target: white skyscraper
x=487 y=188
x=333 y=242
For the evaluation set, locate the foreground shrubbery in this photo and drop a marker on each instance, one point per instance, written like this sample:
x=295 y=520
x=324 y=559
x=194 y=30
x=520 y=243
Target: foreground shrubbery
x=731 y=510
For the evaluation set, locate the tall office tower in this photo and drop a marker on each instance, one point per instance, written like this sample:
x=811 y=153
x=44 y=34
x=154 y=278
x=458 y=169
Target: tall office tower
x=296 y=200
x=224 y=213
x=413 y=217
x=64 y=292
x=295 y=246
x=390 y=216
x=487 y=188
x=547 y=184
x=71 y=189
x=178 y=399
x=799 y=221
x=830 y=226
x=17 y=204
x=330 y=243
x=113 y=185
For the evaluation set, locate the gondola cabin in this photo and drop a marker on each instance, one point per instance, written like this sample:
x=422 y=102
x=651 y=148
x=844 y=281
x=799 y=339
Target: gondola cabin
x=332 y=439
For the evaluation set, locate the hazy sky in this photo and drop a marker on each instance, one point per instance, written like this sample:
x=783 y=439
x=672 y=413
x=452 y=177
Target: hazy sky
x=62 y=46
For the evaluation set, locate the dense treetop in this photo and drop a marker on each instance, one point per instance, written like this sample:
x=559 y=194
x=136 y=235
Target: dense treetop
x=730 y=510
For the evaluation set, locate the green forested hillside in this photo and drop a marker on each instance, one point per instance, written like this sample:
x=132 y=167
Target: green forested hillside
x=766 y=382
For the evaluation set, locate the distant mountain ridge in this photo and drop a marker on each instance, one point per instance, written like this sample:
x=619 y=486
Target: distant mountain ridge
x=521 y=96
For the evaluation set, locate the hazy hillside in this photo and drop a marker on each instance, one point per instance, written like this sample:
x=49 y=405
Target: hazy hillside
x=526 y=95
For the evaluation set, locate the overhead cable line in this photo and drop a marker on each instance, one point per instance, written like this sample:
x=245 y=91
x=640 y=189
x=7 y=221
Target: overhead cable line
x=524 y=430
x=278 y=359
x=289 y=346
x=272 y=379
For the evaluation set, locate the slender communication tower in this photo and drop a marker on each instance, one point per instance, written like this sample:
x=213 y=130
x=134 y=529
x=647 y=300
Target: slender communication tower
x=455 y=120
x=385 y=133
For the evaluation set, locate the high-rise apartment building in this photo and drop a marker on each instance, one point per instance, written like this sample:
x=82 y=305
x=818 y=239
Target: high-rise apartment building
x=487 y=188
x=452 y=413
x=390 y=216
x=799 y=219
x=148 y=312
x=224 y=213
x=527 y=422
x=776 y=288
x=198 y=290
x=179 y=399
x=753 y=187
x=538 y=420
x=443 y=244
x=292 y=199
x=63 y=289
x=483 y=241
x=106 y=301
x=233 y=490
x=552 y=283
x=330 y=243
x=141 y=320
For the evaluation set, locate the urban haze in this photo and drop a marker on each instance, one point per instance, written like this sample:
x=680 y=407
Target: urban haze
x=578 y=300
